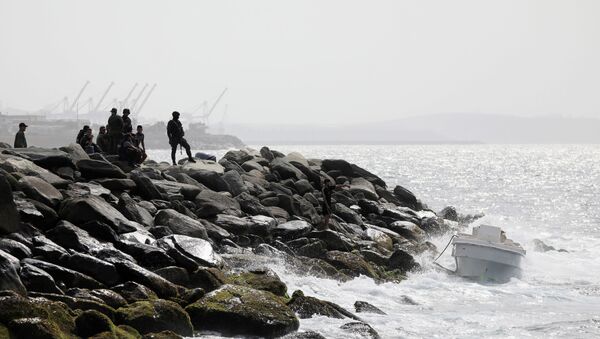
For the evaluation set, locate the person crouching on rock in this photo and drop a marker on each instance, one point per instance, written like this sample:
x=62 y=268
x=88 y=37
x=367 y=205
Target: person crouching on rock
x=81 y=133
x=175 y=134
x=129 y=152
x=87 y=143
x=102 y=139
x=138 y=140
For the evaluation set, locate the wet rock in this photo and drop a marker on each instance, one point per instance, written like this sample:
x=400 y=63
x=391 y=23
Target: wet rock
x=180 y=224
x=239 y=156
x=402 y=260
x=211 y=203
x=93 y=169
x=199 y=250
x=449 y=213
x=365 y=307
x=342 y=166
x=29 y=214
x=209 y=279
x=347 y=214
x=540 y=246
x=57 y=314
x=47 y=249
x=148 y=256
x=189 y=192
x=298 y=206
x=9 y=276
x=233 y=224
x=40 y=190
x=292 y=229
x=408 y=230
x=285 y=170
x=14 y=248
x=132 y=292
x=133 y=272
x=362 y=329
x=155 y=316
x=263 y=279
x=405 y=197
x=145 y=186
x=254 y=312
x=408 y=300
x=77 y=303
x=38 y=280
x=333 y=239
x=63 y=275
x=9 y=215
x=82 y=210
x=304 y=335
x=109 y=297
x=235 y=182
x=34 y=328
x=130 y=209
x=382 y=240
x=350 y=263
x=100 y=270
x=307 y=307
x=100 y=231
x=251 y=204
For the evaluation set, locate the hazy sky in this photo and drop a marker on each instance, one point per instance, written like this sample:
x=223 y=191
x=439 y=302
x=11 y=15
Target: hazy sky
x=304 y=61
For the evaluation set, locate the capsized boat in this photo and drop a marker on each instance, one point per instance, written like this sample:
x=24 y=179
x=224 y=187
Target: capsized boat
x=487 y=255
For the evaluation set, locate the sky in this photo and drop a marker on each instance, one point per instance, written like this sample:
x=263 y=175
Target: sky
x=298 y=62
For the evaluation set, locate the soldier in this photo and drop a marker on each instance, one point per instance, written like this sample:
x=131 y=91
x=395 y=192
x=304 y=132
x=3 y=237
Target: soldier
x=20 y=141
x=115 y=131
x=81 y=133
x=126 y=121
x=175 y=134
x=102 y=139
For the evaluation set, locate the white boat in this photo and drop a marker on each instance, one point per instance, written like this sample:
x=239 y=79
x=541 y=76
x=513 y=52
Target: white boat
x=487 y=255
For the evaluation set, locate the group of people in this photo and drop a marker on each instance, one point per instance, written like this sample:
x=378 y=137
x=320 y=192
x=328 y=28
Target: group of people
x=117 y=138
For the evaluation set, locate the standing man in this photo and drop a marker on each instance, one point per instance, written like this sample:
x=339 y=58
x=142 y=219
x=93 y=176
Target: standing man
x=175 y=134
x=115 y=131
x=102 y=139
x=127 y=127
x=20 y=141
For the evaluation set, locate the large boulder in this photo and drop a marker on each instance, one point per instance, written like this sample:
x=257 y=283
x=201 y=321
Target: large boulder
x=145 y=186
x=342 y=166
x=92 y=169
x=9 y=215
x=285 y=170
x=405 y=197
x=153 y=316
x=235 y=182
x=11 y=163
x=136 y=273
x=40 y=190
x=307 y=307
x=56 y=314
x=48 y=158
x=211 y=203
x=261 y=279
x=292 y=229
x=82 y=210
x=132 y=211
x=75 y=151
x=67 y=276
x=172 y=188
x=117 y=184
x=198 y=249
x=350 y=264
x=9 y=274
x=210 y=179
x=38 y=280
x=363 y=186
x=180 y=223
x=239 y=156
x=254 y=313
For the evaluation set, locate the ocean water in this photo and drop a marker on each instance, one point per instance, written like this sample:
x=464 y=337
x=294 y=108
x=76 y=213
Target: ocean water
x=546 y=192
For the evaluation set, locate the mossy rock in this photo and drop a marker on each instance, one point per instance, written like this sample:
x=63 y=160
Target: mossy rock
x=350 y=263
x=37 y=328
x=119 y=332
x=307 y=307
x=155 y=316
x=240 y=310
x=4 y=331
x=92 y=322
x=56 y=313
x=265 y=280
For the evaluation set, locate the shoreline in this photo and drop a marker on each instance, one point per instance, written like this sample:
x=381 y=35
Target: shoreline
x=187 y=248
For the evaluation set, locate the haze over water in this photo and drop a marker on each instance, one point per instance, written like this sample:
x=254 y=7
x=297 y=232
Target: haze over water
x=546 y=192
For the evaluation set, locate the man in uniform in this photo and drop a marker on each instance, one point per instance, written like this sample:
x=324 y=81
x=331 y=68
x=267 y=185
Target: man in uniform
x=126 y=121
x=102 y=139
x=175 y=134
x=115 y=131
x=20 y=141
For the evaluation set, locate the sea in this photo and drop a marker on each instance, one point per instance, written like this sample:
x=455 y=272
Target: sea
x=545 y=192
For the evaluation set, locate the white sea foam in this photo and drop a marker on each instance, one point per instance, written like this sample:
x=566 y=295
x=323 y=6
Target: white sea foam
x=545 y=192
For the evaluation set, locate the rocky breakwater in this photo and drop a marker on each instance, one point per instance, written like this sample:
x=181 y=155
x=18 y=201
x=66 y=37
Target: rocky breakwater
x=92 y=248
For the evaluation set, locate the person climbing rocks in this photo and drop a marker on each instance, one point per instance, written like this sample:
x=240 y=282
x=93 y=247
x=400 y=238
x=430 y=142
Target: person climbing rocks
x=20 y=140
x=102 y=139
x=175 y=133
x=115 y=131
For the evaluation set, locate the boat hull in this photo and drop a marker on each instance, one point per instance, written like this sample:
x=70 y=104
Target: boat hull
x=486 y=263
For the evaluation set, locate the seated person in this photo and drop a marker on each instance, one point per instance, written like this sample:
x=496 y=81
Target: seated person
x=87 y=142
x=81 y=133
x=129 y=152
x=139 y=141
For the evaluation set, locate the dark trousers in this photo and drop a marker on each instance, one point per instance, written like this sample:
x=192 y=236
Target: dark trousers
x=184 y=144
x=113 y=142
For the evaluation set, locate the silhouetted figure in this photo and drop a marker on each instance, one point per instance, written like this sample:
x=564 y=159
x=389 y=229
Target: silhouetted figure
x=327 y=188
x=126 y=121
x=175 y=134
x=129 y=152
x=102 y=139
x=87 y=143
x=139 y=138
x=81 y=133
x=115 y=131
x=20 y=141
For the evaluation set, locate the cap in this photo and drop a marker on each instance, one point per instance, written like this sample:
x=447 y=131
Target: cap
x=126 y=111
x=113 y=110
x=23 y=125
x=175 y=113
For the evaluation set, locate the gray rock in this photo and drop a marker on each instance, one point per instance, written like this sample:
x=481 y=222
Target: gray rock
x=136 y=273
x=361 y=185
x=211 y=203
x=210 y=179
x=47 y=249
x=100 y=270
x=402 y=261
x=307 y=307
x=408 y=230
x=175 y=274
x=233 y=224
x=334 y=240
x=360 y=328
x=109 y=297
x=9 y=276
x=92 y=169
x=239 y=156
x=180 y=224
x=292 y=229
x=148 y=256
x=45 y=157
x=342 y=166
x=406 y=197
x=118 y=185
x=75 y=151
x=38 y=280
x=285 y=170
x=132 y=211
x=9 y=215
x=189 y=192
x=132 y=292
x=365 y=307
x=11 y=163
x=235 y=182
x=251 y=205
x=67 y=276
x=14 y=248
x=347 y=214
x=81 y=210
x=38 y=189
x=303 y=186
x=145 y=186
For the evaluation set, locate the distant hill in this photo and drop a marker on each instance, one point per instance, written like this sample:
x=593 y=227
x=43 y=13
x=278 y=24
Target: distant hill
x=435 y=128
